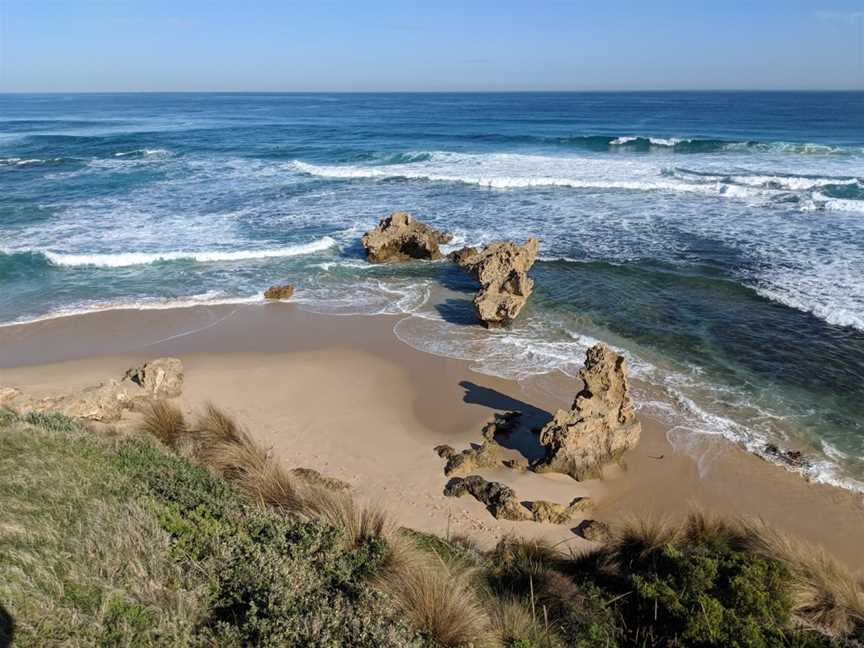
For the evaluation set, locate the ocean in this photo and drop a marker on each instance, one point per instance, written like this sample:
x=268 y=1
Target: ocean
x=715 y=238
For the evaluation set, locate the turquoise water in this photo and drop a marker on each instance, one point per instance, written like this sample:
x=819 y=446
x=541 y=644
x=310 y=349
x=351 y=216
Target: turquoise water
x=716 y=238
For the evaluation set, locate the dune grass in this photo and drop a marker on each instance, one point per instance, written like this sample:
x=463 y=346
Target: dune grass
x=116 y=540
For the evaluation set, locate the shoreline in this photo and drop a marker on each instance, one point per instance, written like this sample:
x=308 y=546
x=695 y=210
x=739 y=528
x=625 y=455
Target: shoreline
x=345 y=396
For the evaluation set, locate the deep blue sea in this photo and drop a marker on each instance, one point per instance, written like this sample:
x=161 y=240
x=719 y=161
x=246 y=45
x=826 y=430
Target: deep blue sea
x=717 y=239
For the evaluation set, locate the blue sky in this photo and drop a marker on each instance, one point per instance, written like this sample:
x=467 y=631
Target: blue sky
x=155 y=45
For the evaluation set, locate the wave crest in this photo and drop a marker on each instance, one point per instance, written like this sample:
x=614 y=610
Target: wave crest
x=123 y=259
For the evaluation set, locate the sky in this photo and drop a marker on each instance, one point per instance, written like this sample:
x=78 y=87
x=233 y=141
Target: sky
x=437 y=45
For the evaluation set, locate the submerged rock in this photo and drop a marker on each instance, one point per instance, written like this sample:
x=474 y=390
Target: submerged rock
x=600 y=426
x=400 y=237
x=501 y=269
x=499 y=499
x=793 y=458
x=278 y=292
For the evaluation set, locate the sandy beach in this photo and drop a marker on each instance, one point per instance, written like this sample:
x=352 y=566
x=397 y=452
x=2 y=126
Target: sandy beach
x=344 y=396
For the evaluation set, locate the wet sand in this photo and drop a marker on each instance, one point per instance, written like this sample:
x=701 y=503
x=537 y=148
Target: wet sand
x=345 y=396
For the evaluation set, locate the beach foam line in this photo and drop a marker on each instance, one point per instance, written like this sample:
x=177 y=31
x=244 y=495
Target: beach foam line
x=124 y=259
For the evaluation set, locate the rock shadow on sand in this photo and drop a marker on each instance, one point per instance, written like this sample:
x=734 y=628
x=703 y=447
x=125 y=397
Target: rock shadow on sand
x=457 y=311
x=523 y=436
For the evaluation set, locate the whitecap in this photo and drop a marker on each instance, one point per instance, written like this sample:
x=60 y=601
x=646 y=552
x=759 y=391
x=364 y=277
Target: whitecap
x=123 y=259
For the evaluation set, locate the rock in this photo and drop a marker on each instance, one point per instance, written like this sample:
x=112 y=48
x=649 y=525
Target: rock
x=102 y=403
x=504 y=285
x=284 y=291
x=501 y=424
x=600 y=426
x=518 y=464
x=486 y=455
x=553 y=513
x=499 y=499
x=593 y=530
x=444 y=451
x=160 y=378
x=792 y=458
x=7 y=395
x=312 y=476
x=400 y=237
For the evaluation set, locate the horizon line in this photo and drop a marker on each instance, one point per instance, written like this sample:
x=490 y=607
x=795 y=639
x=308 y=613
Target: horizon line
x=523 y=91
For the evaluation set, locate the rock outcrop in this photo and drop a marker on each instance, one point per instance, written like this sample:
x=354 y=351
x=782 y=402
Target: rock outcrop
x=500 y=500
x=502 y=503
x=159 y=378
x=593 y=530
x=486 y=455
x=600 y=426
x=501 y=269
x=312 y=476
x=400 y=237
x=278 y=292
x=106 y=402
x=554 y=513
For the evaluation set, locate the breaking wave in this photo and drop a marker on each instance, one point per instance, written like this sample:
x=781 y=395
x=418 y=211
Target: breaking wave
x=124 y=259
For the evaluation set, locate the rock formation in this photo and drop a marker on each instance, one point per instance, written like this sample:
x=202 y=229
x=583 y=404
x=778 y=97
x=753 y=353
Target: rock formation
x=283 y=291
x=499 y=499
x=106 y=402
x=486 y=455
x=400 y=237
x=501 y=269
x=160 y=378
x=502 y=503
x=593 y=530
x=554 y=513
x=312 y=476
x=600 y=426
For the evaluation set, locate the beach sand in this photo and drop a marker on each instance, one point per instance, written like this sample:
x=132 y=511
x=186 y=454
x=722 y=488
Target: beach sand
x=344 y=396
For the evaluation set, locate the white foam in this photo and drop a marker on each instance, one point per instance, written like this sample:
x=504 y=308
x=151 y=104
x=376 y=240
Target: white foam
x=123 y=259
x=143 y=152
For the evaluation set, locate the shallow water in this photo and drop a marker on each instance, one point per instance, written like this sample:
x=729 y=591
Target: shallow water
x=716 y=238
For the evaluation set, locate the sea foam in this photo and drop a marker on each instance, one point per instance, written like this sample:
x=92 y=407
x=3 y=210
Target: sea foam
x=122 y=259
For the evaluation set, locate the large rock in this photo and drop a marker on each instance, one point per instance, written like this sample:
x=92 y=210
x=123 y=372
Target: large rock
x=600 y=426
x=501 y=269
x=400 y=237
x=554 y=513
x=279 y=292
x=160 y=378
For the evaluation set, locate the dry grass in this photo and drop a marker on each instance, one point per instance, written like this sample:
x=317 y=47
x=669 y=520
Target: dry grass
x=441 y=603
x=825 y=594
x=513 y=621
x=166 y=423
x=633 y=539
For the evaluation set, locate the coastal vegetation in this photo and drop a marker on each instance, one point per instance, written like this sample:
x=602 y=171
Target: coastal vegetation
x=187 y=532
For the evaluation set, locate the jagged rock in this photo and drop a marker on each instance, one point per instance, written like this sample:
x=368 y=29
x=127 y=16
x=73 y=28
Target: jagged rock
x=400 y=237
x=499 y=499
x=486 y=455
x=160 y=378
x=554 y=513
x=284 y=291
x=312 y=476
x=504 y=285
x=600 y=426
x=501 y=424
x=593 y=530
x=444 y=451
x=518 y=464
